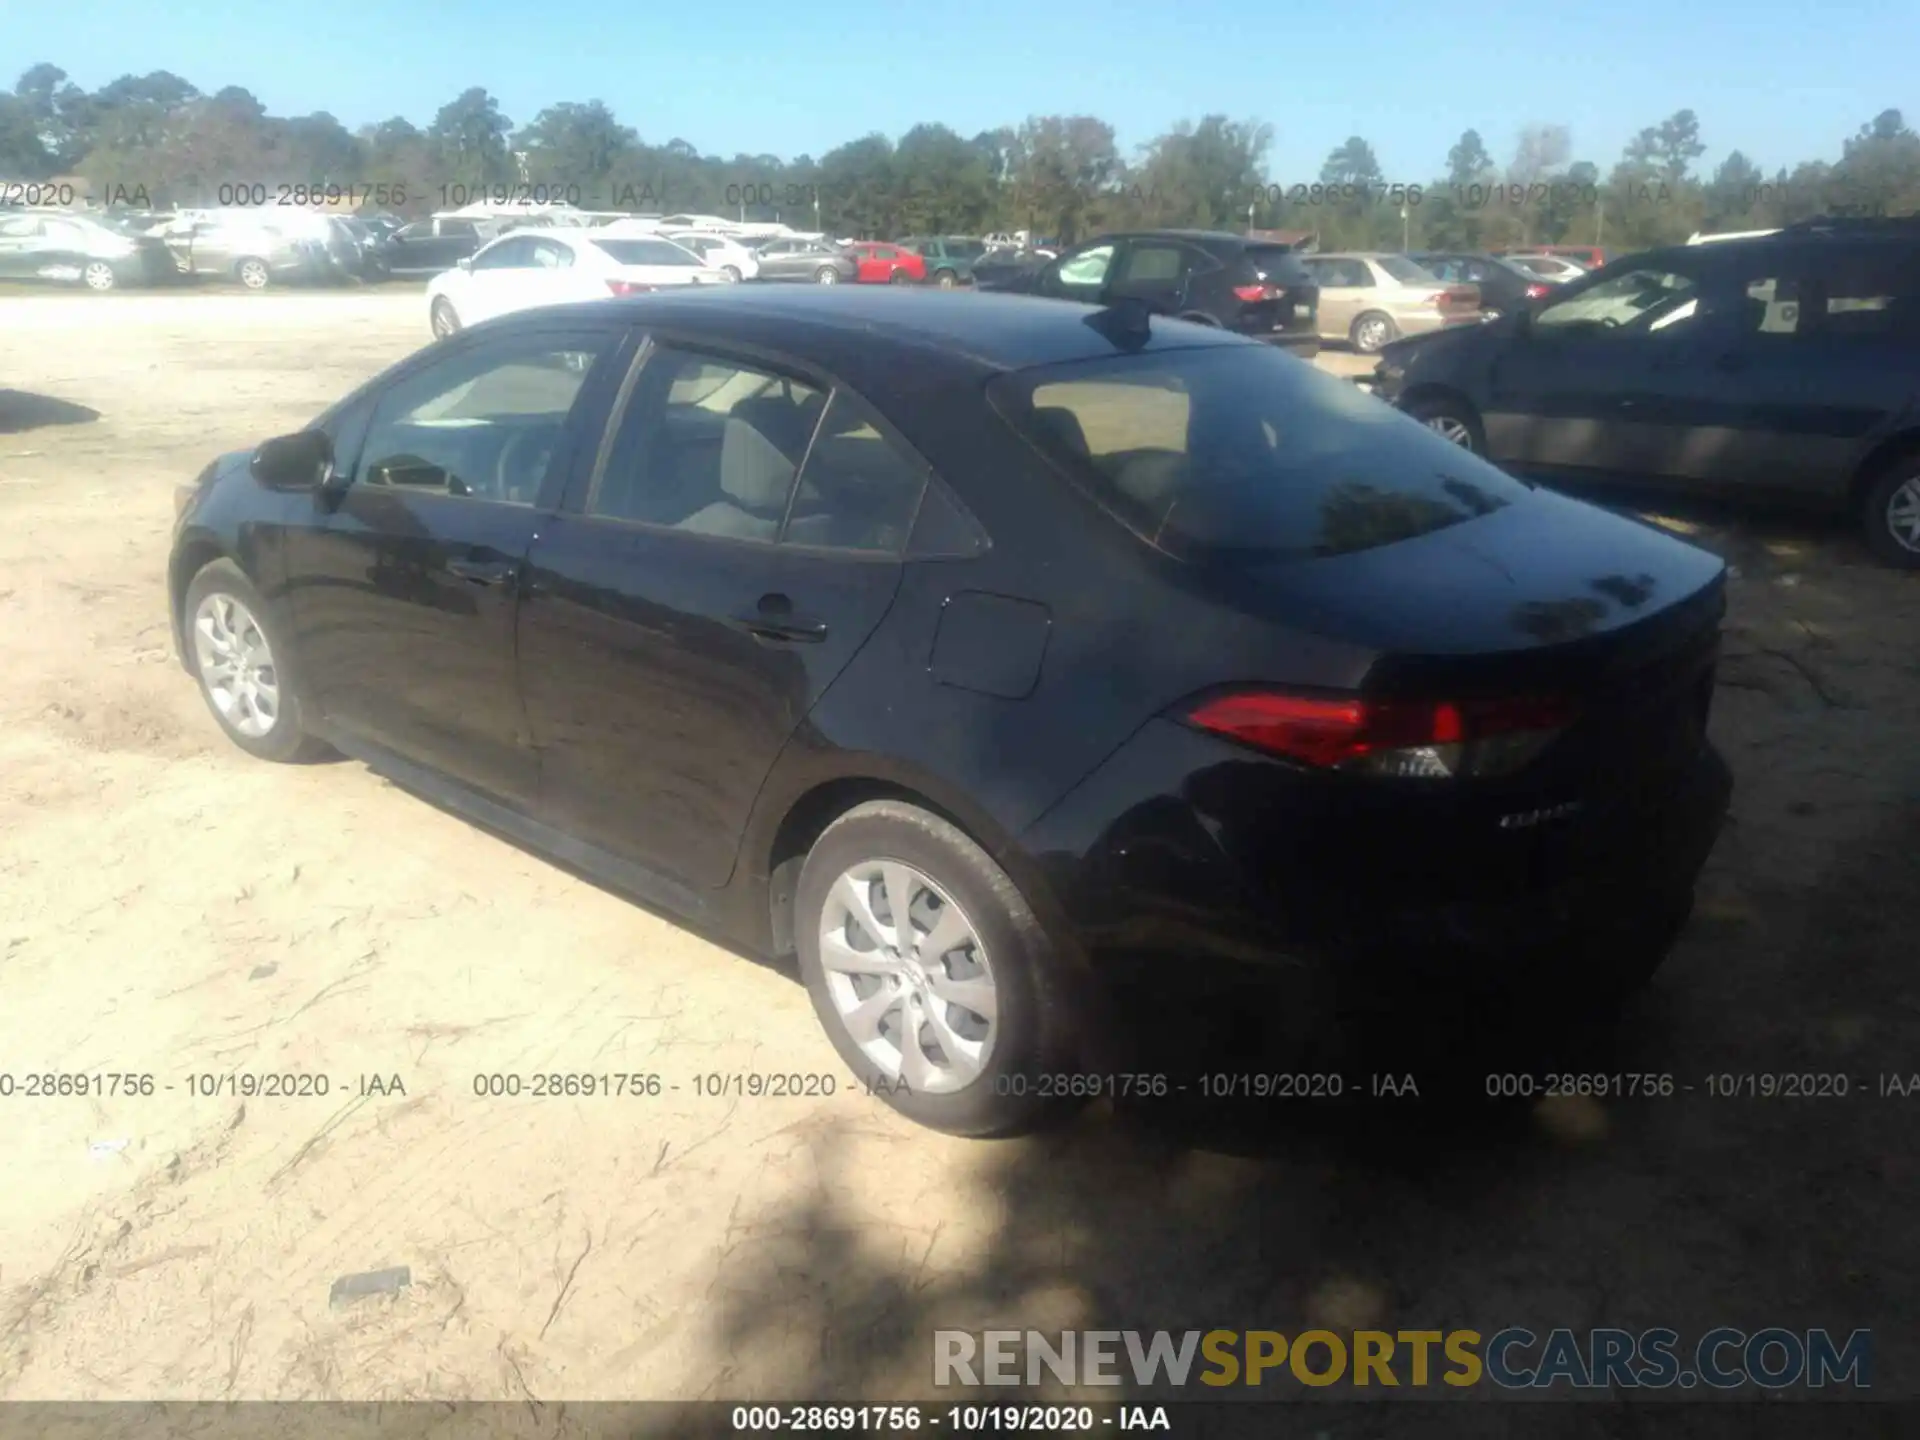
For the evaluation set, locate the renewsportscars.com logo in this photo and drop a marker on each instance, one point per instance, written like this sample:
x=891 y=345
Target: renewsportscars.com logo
x=1512 y=1359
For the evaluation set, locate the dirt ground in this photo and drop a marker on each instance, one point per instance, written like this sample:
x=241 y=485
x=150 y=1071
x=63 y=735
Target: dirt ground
x=170 y=907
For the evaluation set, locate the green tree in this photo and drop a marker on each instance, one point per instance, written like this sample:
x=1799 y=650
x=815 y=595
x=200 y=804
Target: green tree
x=1879 y=169
x=468 y=141
x=1206 y=175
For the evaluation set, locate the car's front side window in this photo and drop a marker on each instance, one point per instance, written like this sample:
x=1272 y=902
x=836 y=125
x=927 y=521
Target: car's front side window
x=484 y=424
x=1650 y=298
x=1089 y=267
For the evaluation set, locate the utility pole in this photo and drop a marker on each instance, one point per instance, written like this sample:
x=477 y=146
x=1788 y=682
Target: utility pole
x=1406 y=229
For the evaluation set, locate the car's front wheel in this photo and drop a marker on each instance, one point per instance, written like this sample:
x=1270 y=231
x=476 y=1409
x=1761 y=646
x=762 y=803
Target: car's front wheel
x=1890 y=514
x=946 y=279
x=932 y=976
x=732 y=272
x=1452 y=420
x=245 y=666
x=444 y=319
x=253 y=274
x=827 y=275
x=98 y=276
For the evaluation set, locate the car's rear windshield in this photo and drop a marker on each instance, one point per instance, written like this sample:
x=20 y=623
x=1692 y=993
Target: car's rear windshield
x=646 y=252
x=1239 y=454
x=1277 y=264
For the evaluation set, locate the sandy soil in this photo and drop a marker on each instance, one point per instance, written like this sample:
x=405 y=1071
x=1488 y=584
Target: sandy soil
x=169 y=907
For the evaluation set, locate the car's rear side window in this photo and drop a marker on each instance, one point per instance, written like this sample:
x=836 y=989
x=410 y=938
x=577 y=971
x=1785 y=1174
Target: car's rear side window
x=1237 y=454
x=1277 y=265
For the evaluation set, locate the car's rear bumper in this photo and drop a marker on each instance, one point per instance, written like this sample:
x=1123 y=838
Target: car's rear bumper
x=1185 y=853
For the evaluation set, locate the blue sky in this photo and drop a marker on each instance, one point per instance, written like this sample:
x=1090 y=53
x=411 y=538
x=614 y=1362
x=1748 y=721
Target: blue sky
x=1783 y=82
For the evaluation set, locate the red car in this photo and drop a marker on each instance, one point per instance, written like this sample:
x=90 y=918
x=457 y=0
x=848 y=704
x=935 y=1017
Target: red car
x=888 y=264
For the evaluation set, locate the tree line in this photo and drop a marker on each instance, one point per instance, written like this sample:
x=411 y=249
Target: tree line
x=160 y=139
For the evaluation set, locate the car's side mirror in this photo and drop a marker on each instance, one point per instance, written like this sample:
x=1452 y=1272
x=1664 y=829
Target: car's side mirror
x=301 y=461
x=465 y=262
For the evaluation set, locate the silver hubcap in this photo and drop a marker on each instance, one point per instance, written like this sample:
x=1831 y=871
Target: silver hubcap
x=236 y=666
x=253 y=275
x=947 y=282
x=908 y=977
x=1903 y=515
x=1448 y=428
x=99 y=277
x=829 y=277
x=442 y=319
x=1373 y=334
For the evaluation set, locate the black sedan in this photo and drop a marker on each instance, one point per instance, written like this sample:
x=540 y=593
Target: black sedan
x=1504 y=287
x=966 y=647
x=1250 y=286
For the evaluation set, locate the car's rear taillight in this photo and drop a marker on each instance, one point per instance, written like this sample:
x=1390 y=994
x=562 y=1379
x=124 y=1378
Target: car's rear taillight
x=1410 y=739
x=627 y=287
x=1254 y=294
x=1537 y=291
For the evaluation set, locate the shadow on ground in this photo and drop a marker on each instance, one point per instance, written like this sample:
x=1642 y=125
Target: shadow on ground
x=21 y=411
x=1451 y=1211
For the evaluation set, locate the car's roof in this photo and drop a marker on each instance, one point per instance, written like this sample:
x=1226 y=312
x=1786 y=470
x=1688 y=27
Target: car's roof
x=1211 y=237
x=869 y=329
x=1348 y=255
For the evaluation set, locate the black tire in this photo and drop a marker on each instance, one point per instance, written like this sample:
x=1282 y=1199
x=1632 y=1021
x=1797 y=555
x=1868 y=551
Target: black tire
x=900 y=277
x=1036 y=1029
x=1367 y=337
x=826 y=275
x=253 y=274
x=945 y=279
x=1876 y=519
x=287 y=741
x=442 y=318
x=1440 y=410
x=732 y=272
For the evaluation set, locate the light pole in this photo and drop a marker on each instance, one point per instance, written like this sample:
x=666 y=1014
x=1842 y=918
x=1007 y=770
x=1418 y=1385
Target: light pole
x=1406 y=230
x=1250 y=217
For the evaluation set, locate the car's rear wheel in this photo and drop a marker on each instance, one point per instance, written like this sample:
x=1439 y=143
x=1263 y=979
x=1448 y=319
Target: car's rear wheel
x=1890 y=514
x=245 y=666
x=946 y=279
x=1372 y=331
x=1451 y=420
x=444 y=319
x=931 y=975
x=827 y=275
x=99 y=276
x=732 y=272
x=253 y=274
x=899 y=277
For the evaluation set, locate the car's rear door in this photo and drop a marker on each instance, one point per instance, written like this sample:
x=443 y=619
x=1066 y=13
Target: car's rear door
x=1814 y=361
x=404 y=592
x=500 y=279
x=1158 y=271
x=712 y=572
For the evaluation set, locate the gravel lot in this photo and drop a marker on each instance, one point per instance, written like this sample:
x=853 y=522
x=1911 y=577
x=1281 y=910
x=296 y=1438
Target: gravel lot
x=169 y=906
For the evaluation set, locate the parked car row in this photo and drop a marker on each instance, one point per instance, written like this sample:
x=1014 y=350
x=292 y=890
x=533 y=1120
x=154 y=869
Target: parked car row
x=1784 y=365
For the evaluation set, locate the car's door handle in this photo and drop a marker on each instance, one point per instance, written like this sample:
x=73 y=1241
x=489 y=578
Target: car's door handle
x=774 y=620
x=484 y=572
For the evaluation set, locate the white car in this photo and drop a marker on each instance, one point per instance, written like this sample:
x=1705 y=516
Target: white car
x=1554 y=269
x=530 y=268
x=722 y=251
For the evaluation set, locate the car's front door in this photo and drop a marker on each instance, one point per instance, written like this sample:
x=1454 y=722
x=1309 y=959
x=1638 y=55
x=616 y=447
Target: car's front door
x=778 y=261
x=698 y=594
x=411 y=250
x=404 y=594
x=501 y=278
x=1592 y=387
